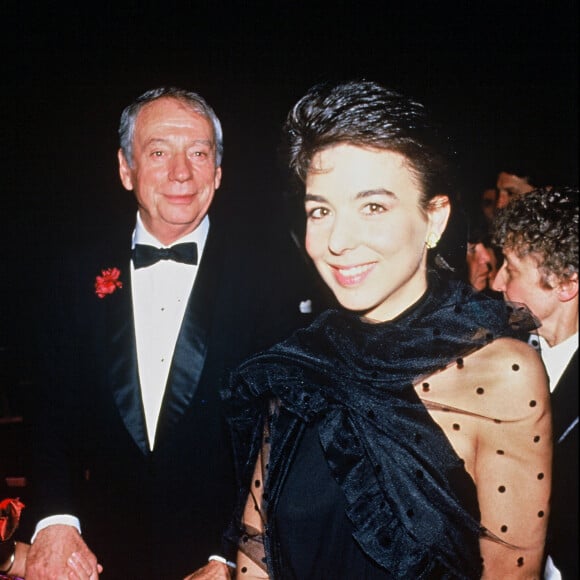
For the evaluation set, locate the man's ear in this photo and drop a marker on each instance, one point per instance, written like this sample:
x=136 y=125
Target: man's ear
x=439 y=209
x=568 y=288
x=218 y=177
x=125 y=172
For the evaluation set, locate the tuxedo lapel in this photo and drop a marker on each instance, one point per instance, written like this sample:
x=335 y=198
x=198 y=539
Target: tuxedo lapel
x=565 y=400
x=123 y=373
x=192 y=342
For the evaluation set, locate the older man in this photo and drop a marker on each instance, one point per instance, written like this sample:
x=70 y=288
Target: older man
x=141 y=336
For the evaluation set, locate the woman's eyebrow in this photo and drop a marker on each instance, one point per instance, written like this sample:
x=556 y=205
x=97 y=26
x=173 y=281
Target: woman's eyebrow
x=371 y=192
x=359 y=195
x=313 y=197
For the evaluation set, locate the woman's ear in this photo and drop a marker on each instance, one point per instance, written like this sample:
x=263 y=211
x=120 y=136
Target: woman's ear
x=438 y=212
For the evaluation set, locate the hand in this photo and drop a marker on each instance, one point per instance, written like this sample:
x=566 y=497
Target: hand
x=211 y=571
x=51 y=556
x=81 y=567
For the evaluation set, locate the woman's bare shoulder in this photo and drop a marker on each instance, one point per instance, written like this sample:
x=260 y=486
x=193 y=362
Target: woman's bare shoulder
x=505 y=379
x=511 y=357
x=514 y=375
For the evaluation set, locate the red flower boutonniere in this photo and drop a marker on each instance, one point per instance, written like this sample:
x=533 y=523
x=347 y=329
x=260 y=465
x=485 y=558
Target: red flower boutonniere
x=9 y=517
x=107 y=282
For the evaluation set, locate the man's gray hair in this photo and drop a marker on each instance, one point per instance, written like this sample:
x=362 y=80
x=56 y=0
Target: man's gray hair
x=196 y=102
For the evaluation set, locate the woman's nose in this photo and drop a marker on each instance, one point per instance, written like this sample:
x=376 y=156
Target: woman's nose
x=342 y=236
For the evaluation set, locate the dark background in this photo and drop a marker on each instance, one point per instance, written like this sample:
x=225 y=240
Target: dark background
x=502 y=76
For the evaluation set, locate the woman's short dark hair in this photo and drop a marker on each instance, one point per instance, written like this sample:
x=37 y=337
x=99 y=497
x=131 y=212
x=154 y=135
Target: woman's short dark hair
x=366 y=114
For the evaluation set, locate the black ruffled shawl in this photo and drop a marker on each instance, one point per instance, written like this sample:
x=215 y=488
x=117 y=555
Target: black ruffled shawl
x=394 y=464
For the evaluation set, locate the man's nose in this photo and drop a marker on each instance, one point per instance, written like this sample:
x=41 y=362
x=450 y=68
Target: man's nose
x=498 y=283
x=180 y=169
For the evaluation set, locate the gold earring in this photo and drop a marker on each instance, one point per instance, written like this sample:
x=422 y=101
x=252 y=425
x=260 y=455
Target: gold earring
x=432 y=240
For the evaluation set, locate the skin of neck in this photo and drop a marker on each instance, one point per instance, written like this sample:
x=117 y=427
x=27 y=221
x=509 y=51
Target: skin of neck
x=563 y=326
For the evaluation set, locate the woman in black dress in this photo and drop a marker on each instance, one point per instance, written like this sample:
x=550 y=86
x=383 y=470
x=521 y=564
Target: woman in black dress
x=407 y=434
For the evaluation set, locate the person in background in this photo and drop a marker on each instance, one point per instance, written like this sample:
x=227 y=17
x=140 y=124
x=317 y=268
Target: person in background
x=481 y=258
x=407 y=433
x=513 y=182
x=481 y=265
x=138 y=337
x=538 y=234
x=487 y=203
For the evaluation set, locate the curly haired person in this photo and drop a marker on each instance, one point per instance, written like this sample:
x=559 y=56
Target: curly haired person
x=538 y=234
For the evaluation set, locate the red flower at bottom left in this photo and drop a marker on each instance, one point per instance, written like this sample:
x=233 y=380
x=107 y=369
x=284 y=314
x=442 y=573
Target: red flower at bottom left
x=9 y=517
x=107 y=282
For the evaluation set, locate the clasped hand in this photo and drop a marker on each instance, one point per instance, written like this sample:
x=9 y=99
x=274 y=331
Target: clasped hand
x=60 y=553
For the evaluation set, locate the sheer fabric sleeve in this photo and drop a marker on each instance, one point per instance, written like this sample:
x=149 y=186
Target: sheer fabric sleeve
x=513 y=471
x=251 y=557
x=494 y=408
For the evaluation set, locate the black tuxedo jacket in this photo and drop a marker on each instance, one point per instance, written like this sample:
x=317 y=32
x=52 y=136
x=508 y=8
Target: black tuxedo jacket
x=563 y=540
x=153 y=514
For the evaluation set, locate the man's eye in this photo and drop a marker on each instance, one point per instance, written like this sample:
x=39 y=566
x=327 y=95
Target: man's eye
x=199 y=154
x=157 y=154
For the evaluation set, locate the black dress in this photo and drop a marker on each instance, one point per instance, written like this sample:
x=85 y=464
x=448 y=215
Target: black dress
x=358 y=480
x=314 y=533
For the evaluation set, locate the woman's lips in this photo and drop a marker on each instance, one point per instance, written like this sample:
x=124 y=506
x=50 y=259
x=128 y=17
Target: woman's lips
x=352 y=275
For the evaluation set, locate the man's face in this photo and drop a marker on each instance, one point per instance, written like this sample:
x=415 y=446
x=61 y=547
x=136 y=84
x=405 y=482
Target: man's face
x=173 y=175
x=508 y=186
x=520 y=280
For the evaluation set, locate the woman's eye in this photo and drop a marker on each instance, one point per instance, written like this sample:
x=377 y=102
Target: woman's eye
x=373 y=208
x=317 y=213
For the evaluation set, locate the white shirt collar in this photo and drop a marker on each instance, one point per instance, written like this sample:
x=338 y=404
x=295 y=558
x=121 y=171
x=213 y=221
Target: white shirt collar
x=556 y=358
x=199 y=236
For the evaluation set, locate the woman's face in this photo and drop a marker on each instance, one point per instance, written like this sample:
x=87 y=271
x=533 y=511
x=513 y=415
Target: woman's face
x=366 y=230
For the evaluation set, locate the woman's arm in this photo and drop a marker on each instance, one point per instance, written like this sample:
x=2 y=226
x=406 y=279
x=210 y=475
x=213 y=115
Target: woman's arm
x=513 y=459
x=251 y=552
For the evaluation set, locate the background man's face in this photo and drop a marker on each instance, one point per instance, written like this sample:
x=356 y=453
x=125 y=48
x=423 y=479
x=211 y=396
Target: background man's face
x=508 y=186
x=520 y=280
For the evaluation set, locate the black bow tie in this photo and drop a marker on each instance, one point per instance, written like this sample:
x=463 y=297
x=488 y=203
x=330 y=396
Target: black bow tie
x=144 y=256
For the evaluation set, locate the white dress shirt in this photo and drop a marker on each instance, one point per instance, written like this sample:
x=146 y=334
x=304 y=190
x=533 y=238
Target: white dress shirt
x=160 y=295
